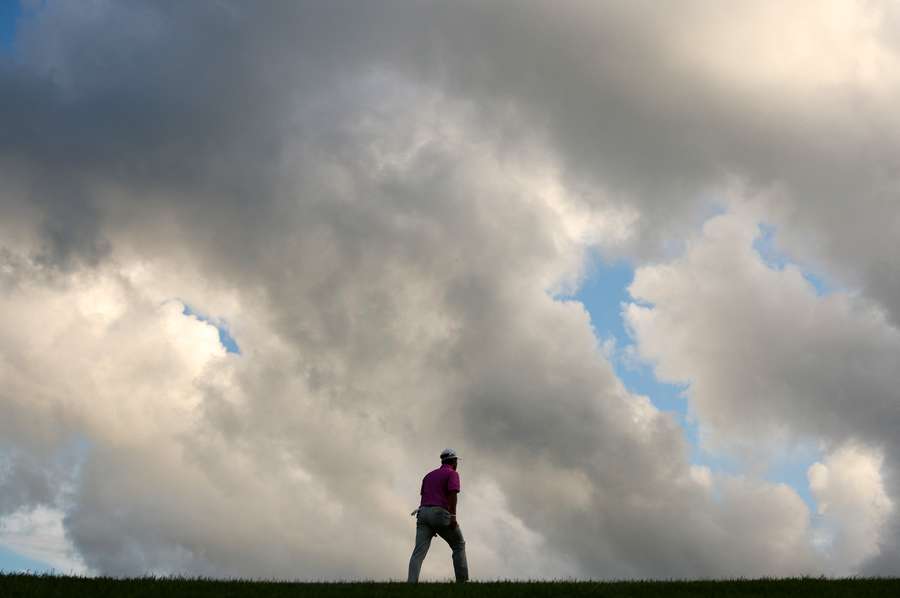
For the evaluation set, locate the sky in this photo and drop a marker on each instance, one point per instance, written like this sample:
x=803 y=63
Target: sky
x=9 y=12
x=260 y=263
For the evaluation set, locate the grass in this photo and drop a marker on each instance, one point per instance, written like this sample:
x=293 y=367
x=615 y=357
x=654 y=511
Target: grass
x=16 y=585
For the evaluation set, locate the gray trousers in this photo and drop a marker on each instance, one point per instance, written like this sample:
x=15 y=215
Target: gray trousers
x=432 y=521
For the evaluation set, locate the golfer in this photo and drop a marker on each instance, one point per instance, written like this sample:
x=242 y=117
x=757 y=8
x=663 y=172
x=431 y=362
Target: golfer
x=437 y=515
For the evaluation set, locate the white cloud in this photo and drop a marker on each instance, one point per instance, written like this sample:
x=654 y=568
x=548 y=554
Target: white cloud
x=850 y=495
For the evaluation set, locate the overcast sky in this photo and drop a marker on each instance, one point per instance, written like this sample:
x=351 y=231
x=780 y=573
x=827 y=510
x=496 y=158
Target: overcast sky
x=635 y=261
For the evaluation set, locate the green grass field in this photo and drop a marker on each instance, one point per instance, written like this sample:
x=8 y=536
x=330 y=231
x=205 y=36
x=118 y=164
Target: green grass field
x=21 y=585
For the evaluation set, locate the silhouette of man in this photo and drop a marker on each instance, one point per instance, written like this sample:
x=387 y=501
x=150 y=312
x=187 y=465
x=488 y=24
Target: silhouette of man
x=436 y=515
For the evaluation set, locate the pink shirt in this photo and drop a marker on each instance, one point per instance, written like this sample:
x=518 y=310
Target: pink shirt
x=437 y=486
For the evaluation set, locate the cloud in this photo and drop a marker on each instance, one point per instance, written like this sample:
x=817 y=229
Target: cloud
x=770 y=363
x=850 y=495
x=382 y=201
x=39 y=534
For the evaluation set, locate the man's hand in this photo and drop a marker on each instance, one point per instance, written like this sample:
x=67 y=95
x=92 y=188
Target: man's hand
x=453 y=523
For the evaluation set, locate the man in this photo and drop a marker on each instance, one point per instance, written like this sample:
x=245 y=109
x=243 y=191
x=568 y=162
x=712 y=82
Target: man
x=436 y=515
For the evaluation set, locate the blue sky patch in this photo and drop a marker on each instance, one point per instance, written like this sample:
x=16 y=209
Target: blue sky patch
x=603 y=294
x=221 y=325
x=791 y=467
x=13 y=562
x=10 y=11
x=776 y=259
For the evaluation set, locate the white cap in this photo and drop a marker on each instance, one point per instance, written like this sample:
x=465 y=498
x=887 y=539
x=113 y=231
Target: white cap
x=448 y=454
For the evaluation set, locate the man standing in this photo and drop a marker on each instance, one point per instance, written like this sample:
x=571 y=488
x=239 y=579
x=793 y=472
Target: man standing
x=437 y=515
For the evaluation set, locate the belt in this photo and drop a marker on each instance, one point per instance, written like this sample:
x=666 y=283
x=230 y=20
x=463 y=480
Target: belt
x=414 y=513
x=424 y=506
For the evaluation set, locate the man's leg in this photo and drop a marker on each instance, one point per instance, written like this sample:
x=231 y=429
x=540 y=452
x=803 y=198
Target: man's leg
x=424 y=533
x=454 y=538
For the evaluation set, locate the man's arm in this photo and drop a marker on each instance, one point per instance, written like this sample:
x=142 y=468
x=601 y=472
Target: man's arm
x=452 y=492
x=451 y=498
